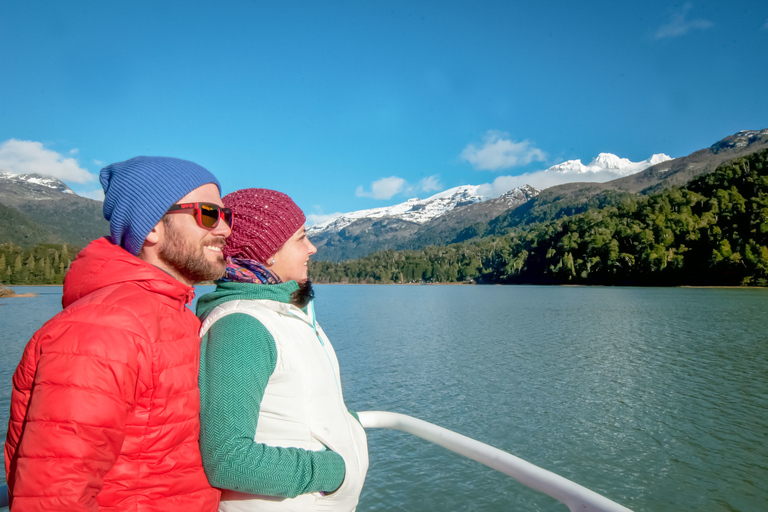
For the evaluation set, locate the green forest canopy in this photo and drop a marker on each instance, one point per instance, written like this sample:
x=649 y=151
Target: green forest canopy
x=43 y=264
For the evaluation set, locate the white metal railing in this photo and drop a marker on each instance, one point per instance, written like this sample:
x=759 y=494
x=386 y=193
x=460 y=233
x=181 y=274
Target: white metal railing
x=573 y=495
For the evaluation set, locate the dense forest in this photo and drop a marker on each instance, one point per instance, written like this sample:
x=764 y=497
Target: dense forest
x=43 y=264
x=713 y=231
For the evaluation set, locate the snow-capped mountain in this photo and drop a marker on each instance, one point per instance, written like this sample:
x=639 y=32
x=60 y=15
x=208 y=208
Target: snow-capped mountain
x=519 y=195
x=415 y=210
x=739 y=140
x=49 y=211
x=8 y=179
x=422 y=211
x=608 y=162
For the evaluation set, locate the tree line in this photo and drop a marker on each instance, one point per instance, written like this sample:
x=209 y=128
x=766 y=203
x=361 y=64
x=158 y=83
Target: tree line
x=43 y=264
x=713 y=231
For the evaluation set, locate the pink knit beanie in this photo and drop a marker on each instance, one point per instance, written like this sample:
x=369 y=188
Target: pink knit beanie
x=263 y=221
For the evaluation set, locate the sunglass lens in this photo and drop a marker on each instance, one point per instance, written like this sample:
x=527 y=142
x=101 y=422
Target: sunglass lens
x=209 y=215
x=227 y=216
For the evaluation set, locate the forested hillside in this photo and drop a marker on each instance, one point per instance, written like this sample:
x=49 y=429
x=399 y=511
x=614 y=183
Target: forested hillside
x=43 y=264
x=713 y=231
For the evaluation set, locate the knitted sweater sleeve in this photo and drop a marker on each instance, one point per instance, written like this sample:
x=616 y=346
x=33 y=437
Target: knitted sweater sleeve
x=237 y=359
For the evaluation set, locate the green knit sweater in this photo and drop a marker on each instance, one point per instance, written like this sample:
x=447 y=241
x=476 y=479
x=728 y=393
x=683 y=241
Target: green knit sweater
x=237 y=358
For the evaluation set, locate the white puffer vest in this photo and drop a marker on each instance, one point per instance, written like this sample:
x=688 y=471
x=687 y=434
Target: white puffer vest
x=303 y=406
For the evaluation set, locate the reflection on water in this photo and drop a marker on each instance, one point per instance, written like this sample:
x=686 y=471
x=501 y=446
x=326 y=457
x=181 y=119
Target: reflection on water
x=656 y=398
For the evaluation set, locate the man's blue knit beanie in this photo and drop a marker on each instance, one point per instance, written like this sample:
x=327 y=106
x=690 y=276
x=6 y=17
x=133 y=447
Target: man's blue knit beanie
x=139 y=191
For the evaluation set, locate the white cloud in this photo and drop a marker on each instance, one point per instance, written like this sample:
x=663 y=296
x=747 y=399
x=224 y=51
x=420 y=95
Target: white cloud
x=679 y=25
x=540 y=180
x=429 y=184
x=386 y=188
x=29 y=157
x=97 y=194
x=500 y=152
x=319 y=218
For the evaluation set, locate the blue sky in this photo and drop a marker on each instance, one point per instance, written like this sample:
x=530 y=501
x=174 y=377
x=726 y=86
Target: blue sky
x=357 y=104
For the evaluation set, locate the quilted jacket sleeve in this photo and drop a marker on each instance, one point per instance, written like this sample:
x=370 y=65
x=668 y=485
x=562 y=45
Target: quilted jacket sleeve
x=72 y=393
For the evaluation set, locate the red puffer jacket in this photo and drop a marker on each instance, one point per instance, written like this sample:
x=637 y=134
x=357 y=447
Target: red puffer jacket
x=105 y=403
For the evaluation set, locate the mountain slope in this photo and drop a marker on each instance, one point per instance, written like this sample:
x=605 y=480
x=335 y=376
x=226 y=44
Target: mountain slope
x=47 y=211
x=573 y=198
x=356 y=234
x=21 y=230
x=468 y=221
x=414 y=210
x=438 y=219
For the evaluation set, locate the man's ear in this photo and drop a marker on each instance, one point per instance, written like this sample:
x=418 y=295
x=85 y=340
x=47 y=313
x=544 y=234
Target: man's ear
x=152 y=243
x=155 y=235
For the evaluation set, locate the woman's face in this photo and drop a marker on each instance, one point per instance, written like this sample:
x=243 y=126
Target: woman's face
x=291 y=260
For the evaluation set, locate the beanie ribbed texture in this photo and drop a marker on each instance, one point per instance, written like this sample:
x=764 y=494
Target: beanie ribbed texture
x=138 y=192
x=263 y=221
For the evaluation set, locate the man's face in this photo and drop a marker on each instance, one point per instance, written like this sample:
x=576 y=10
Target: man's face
x=189 y=252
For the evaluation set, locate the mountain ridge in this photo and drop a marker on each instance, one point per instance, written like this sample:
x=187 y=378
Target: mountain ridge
x=454 y=215
x=575 y=197
x=45 y=210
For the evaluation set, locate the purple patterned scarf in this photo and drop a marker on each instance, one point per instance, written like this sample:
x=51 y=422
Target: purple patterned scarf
x=243 y=270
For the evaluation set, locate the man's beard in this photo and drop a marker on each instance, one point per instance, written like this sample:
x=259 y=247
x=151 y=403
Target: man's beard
x=187 y=257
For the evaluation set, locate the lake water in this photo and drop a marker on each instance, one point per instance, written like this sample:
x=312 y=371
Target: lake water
x=656 y=398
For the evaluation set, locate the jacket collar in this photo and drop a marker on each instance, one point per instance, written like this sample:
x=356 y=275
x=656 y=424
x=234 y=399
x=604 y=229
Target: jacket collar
x=103 y=264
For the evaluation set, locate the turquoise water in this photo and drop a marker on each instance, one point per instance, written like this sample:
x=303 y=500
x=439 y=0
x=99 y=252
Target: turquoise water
x=656 y=398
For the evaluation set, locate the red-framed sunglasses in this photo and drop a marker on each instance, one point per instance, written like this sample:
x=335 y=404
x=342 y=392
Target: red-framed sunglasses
x=207 y=215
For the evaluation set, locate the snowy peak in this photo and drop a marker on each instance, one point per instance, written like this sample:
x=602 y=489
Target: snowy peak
x=421 y=211
x=608 y=162
x=569 y=167
x=740 y=140
x=415 y=210
x=519 y=195
x=448 y=200
x=658 y=158
x=9 y=178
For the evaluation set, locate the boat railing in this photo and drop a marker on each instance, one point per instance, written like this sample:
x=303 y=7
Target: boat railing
x=573 y=495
